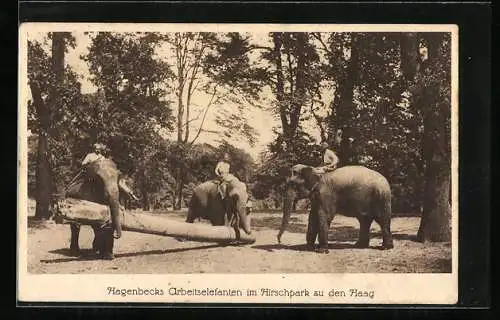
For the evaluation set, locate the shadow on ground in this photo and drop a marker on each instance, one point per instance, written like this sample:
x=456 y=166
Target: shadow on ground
x=275 y=223
x=37 y=223
x=303 y=247
x=348 y=233
x=88 y=254
x=336 y=233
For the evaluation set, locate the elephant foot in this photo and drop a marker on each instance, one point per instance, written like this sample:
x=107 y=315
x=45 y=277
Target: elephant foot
x=310 y=247
x=106 y=244
x=322 y=250
x=107 y=256
x=95 y=247
x=74 y=252
x=362 y=244
x=387 y=246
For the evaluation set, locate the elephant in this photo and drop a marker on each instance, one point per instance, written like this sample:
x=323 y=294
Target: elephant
x=99 y=183
x=353 y=191
x=207 y=203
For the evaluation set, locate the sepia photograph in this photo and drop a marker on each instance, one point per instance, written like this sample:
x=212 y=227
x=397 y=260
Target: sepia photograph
x=176 y=159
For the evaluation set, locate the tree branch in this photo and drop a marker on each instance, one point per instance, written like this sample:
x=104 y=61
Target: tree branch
x=211 y=131
x=204 y=116
x=254 y=47
x=37 y=96
x=196 y=118
x=290 y=70
x=319 y=121
x=190 y=90
x=317 y=35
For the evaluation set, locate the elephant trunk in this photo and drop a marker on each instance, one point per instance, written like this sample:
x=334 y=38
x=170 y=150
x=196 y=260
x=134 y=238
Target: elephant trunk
x=107 y=171
x=244 y=218
x=288 y=200
x=111 y=188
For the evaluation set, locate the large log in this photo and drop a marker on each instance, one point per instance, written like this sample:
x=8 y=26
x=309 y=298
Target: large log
x=86 y=212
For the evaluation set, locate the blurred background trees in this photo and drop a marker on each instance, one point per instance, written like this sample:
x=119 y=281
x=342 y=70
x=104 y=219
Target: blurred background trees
x=382 y=100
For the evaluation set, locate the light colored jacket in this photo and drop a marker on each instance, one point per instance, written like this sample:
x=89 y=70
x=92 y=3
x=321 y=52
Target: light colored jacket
x=222 y=171
x=330 y=158
x=222 y=168
x=91 y=157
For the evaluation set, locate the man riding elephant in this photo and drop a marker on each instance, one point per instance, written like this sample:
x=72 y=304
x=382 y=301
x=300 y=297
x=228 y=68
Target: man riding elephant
x=225 y=177
x=100 y=153
x=353 y=191
x=99 y=181
x=330 y=159
x=222 y=201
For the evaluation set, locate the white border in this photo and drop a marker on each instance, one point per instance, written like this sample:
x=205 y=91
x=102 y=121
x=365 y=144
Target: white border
x=390 y=288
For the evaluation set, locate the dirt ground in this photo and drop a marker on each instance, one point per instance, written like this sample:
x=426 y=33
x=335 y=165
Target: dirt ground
x=150 y=254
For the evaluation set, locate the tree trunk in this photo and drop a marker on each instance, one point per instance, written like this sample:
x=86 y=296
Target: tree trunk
x=409 y=55
x=43 y=179
x=280 y=83
x=44 y=175
x=300 y=84
x=180 y=116
x=86 y=212
x=179 y=186
x=146 y=205
x=436 y=215
x=345 y=105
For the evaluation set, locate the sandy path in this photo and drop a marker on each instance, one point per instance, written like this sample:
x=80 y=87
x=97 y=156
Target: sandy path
x=142 y=253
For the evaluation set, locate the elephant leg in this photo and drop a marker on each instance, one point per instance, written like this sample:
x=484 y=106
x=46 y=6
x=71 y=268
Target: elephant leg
x=97 y=243
x=312 y=228
x=326 y=209
x=329 y=220
x=385 y=225
x=365 y=223
x=190 y=217
x=74 y=248
x=235 y=224
x=106 y=242
x=109 y=242
x=323 y=217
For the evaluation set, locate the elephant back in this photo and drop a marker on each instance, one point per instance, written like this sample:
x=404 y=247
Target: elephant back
x=205 y=191
x=358 y=175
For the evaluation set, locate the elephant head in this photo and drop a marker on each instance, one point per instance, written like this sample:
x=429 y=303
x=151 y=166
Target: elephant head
x=103 y=178
x=237 y=203
x=298 y=186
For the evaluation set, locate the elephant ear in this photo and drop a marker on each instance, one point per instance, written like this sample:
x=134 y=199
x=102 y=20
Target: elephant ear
x=307 y=174
x=236 y=188
x=104 y=169
x=238 y=191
